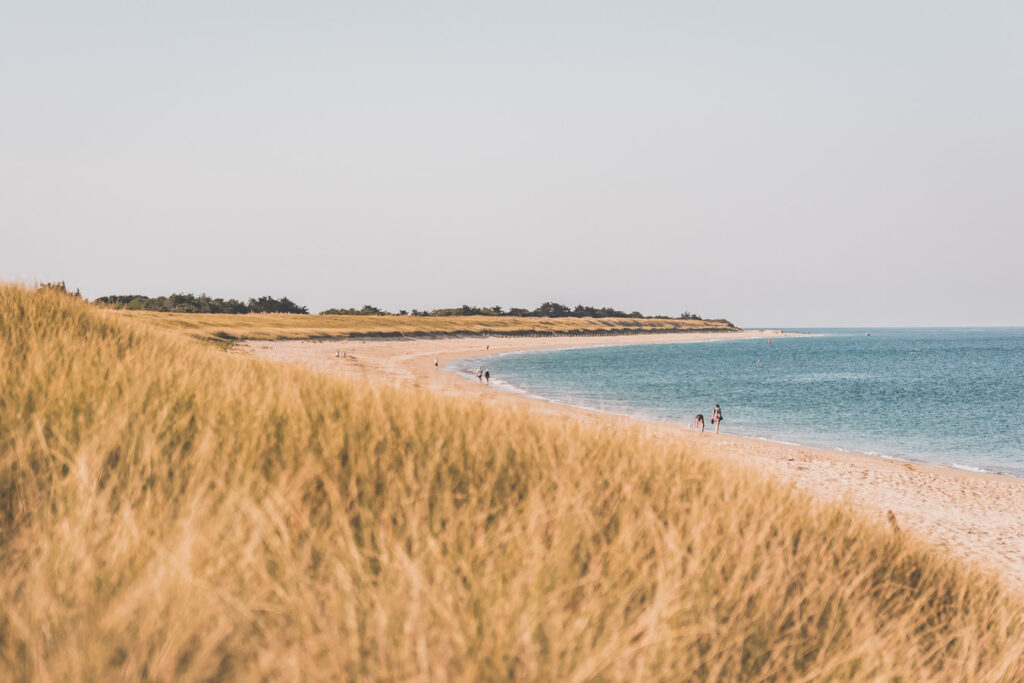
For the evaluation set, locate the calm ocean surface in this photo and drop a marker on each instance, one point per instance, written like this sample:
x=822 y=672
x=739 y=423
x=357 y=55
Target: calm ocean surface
x=951 y=396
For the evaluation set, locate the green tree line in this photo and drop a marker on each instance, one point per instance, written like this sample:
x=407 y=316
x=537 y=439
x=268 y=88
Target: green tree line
x=548 y=309
x=190 y=303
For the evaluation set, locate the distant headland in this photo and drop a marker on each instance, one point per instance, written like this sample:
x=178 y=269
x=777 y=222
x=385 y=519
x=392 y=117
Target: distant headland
x=202 y=303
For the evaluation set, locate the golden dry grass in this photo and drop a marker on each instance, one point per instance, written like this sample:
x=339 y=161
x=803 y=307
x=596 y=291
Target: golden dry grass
x=170 y=512
x=289 y=326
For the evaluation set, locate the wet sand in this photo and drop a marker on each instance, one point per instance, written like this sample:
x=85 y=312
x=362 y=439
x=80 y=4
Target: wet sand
x=974 y=516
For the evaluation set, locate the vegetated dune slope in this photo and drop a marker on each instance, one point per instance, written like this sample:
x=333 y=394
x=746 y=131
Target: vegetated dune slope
x=169 y=511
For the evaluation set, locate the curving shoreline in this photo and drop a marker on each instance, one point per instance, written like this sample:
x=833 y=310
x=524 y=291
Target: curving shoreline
x=972 y=515
x=498 y=381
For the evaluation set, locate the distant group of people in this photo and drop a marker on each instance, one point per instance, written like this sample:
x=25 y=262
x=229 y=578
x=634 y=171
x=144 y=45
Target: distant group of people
x=716 y=419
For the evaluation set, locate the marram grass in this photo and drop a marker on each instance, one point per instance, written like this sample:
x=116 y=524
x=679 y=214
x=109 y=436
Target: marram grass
x=171 y=512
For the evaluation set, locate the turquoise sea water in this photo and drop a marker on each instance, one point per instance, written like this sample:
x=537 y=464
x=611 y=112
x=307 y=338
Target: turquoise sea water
x=950 y=396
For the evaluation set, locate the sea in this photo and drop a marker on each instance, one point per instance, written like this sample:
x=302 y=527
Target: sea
x=945 y=396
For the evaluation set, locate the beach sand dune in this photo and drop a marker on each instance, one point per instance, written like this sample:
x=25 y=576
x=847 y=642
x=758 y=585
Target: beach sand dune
x=973 y=516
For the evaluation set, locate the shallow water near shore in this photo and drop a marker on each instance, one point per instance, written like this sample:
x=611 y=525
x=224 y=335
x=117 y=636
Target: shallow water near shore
x=948 y=396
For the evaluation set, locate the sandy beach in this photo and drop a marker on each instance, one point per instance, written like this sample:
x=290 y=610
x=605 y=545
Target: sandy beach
x=973 y=516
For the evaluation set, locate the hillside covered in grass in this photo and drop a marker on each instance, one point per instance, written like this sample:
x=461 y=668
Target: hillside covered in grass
x=286 y=326
x=172 y=512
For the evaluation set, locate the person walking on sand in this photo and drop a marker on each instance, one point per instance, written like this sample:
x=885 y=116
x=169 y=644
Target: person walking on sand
x=480 y=375
x=716 y=417
x=487 y=376
x=435 y=364
x=698 y=422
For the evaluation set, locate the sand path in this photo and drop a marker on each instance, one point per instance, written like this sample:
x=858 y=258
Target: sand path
x=974 y=516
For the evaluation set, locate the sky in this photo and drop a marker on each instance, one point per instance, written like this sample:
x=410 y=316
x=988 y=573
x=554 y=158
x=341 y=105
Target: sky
x=784 y=164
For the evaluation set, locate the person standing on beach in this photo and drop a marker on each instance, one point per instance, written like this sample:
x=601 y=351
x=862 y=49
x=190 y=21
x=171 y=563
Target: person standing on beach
x=716 y=417
x=480 y=375
x=698 y=422
x=487 y=376
x=435 y=364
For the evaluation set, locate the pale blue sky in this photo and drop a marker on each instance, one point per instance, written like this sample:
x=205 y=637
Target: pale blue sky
x=775 y=163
